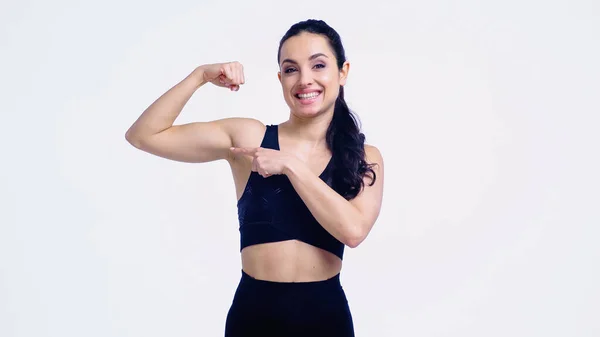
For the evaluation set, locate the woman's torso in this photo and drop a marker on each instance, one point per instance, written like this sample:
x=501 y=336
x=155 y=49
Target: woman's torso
x=288 y=260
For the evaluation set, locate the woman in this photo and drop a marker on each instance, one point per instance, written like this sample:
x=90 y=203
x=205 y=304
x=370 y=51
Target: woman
x=306 y=188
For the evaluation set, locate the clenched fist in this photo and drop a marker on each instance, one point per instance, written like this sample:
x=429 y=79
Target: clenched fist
x=227 y=75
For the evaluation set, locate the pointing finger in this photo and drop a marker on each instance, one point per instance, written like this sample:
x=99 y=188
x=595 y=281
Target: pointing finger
x=244 y=150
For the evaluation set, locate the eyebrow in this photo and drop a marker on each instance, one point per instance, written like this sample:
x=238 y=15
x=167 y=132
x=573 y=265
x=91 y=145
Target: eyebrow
x=312 y=57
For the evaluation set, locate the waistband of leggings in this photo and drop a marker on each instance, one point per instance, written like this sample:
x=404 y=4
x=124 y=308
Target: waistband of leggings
x=333 y=282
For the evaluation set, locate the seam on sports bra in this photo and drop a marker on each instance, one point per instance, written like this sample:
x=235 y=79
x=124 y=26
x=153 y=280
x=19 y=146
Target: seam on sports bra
x=247 y=223
x=296 y=236
x=263 y=222
x=271 y=224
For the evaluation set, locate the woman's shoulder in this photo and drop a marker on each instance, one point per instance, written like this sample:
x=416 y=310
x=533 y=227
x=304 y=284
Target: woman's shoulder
x=245 y=122
x=245 y=131
x=372 y=154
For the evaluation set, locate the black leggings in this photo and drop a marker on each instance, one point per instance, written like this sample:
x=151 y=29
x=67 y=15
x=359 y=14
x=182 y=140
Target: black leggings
x=282 y=309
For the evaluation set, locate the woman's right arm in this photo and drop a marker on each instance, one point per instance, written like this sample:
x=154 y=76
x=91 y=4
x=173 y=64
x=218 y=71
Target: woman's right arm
x=197 y=142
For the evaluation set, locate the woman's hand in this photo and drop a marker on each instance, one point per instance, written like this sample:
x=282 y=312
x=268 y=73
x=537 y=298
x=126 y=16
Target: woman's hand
x=267 y=162
x=228 y=75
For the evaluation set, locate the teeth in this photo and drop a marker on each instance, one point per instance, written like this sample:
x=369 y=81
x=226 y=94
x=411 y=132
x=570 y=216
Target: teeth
x=309 y=95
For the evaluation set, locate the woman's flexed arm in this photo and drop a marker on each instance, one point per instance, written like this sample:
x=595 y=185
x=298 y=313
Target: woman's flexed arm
x=154 y=132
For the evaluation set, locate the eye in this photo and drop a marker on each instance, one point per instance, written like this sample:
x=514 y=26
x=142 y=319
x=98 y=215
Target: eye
x=289 y=70
x=319 y=66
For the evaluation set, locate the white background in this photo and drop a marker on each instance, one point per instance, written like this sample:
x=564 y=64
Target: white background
x=486 y=114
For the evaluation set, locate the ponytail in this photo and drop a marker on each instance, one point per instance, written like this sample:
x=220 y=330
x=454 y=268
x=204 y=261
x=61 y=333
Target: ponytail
x=346 y=143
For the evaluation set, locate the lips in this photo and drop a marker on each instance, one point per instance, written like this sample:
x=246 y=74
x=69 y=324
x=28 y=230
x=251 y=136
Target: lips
x=306 y=98
x=308 y=93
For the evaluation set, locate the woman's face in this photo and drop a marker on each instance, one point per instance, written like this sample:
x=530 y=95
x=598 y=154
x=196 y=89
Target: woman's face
x=309 y=75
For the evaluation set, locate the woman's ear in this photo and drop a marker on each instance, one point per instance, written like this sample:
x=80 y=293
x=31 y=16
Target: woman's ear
x=344 y=72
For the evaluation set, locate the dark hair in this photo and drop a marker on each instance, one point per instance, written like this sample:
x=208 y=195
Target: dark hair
x=344 y=139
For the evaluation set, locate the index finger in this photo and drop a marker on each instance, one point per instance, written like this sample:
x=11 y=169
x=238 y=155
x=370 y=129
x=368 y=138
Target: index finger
x=249 y=151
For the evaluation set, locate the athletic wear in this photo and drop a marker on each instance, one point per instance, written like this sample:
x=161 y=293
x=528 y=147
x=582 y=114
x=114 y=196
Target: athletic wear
x=270 y=210
x=280 y=309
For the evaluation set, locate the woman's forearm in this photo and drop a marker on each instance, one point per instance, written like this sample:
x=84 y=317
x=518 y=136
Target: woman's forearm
x=336 y=214
x=163 y=112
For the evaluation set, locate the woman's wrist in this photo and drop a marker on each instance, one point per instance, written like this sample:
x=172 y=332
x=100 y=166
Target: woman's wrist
x=291 y=166
x=198 y=76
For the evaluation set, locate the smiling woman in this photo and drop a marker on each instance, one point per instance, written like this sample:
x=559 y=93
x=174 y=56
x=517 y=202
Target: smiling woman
x=307 y=95
x=306 y=188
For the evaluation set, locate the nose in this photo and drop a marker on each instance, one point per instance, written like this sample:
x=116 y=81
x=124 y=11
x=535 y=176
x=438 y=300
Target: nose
x=305 y=78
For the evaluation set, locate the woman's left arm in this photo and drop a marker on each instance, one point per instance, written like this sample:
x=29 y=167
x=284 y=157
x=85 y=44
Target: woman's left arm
x=348 y=221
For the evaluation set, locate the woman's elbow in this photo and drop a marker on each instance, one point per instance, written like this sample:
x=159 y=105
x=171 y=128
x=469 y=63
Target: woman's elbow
x=356 y=237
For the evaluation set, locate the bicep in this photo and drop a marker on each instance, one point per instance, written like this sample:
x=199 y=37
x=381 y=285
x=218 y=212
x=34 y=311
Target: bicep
x=196 y=142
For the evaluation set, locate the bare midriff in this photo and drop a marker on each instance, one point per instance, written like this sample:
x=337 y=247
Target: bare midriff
x=289 y=261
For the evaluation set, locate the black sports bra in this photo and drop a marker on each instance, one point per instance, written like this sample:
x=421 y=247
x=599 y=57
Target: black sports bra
x=270 y=210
